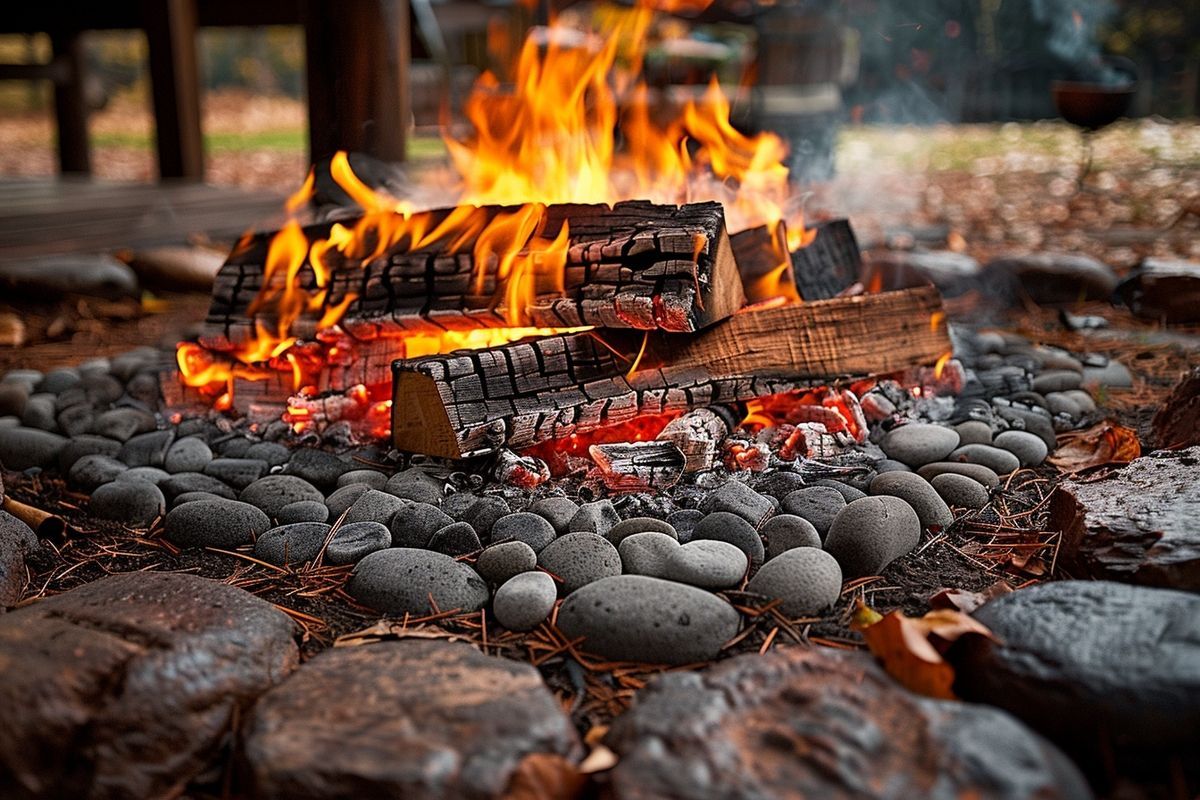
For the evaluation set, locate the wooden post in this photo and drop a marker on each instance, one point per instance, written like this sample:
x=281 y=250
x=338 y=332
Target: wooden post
x=358 y=84
x=70 y=103
x=175 y=75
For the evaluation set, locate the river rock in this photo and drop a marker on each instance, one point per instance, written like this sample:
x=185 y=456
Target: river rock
x=149 y=474
x=123 y=424
x=532 y=529
x=817 y=504
x=275 y=454
x=416 y=485
x=481 y=513
x=23 y=448
x=1029 y=449
x=16 y=541
x=415 y=524
x=580 y=558
x=558 y=511
x=917 y=492
x=274 y=492
x=1037 y=422
x=634 y=525
x=1000 y=461
x=738 y=498
x=189 y=497
x=316 y=466
x=184 y=482
x=1057 y=380
x=499 y=562
x=811 y=722
x=401 y=580
x=525 y=600
x=136 y=503
x=297 y=543
x=340 y=501
x=706 y=563
x=974 y=432
x=188 y=455
x=456 y=539
x=976 y=472
x=960 y=491
x=598 y=517
x=638 y=618
x=215 y=523
x=237 y=472
x=375 y=506
x=356 y=541
x=1051 y=278
x=871 y=533
x=373 y=479
x=849 y=493
x=441 y=720
x=91 y=472
x=1113 y=375
x=806 y=579
x=684 y=521
x=84 y=445
x=647 y=553
x=303 y=511
x=786 y=531
x=918 y=444
x=40 y=413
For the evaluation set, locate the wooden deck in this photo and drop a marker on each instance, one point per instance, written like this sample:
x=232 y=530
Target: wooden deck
x=49 y=217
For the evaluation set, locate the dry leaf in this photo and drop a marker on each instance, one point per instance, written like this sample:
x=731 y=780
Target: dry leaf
x=911 y=649
x=545 y=776
x=1103 y=443
x=12 y=330
x=966 y=602
x=387 y=631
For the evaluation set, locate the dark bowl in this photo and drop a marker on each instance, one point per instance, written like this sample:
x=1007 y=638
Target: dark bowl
x=1092 y=106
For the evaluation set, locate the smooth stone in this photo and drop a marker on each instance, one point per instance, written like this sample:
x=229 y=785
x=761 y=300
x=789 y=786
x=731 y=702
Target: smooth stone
x=316 y=466
x=274 y=492
x=92 y=472
x=415 y=524
x=149 y=474
x=531 y=529
x=999 y=461
x=16 y=541
x=29 y=377
x=95 y=275
x=598 y=517
x=188 y=455
x=723 y=526
x=85 y=445
x=275 y=454
x=305 y=511
x=525 y=600
x=706 y=563
x=1029 y=449
x=917 y=444
x=40 y=413
x=98 y=390
x=1057 y=380
x=871 y=533
x=456 y=539
x=23 y=448
x=976 y=472
x=973 y=432
x=960 y=491
x=483 y=513
x=58 y=380
x=806 y=580
x=195 y=482
x=499 y=562
x=368 y=477
x=147 y=449
x=580 y=558
x=917 y=492
x=237 y=472
x=76 y=420
x=1062 y=403
x=817 y=504
x=9 y=422
x=558 y=511
x=416 y=485
x=644 y=619
x=736 y=497
x=646 y=553
x=891 y=465
x=849 y=493
x=785 y=532
x=225 y=524
x=342 y=499
x=1082 y=399
x=375 y=506
x=1039 y=424
x=144 y=388
x=297 y=543
x=402 y=580
x=684 y=521
x=634 y=525
x=356 y=541
x=190 y=497
x=123 y=424
x=13 y=397
x=236 y=446
x=134 y=502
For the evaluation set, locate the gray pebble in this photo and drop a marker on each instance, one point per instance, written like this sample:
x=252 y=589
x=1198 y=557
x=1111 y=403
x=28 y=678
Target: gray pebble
x=817 y=504
x=340 y=501
x=917 y=444
x=414 y=525
x=76 y=420
x=274 y=492
x=976 y=472
x=558 y=511
x=304 y=511
x=99 y=390
x=416 y=485
x=1029 y=449
x=917 y=492
x=236 y=446
x=849 y=493
x=780 y=484
x=960 y=491
x=1113 y=375
x=22 y=448
x=368 y=477
x=297 y=543
x=401 y=580
x=94 y=471
x=579 y=559
x=997 y=460
x=356 y=541
x=275 y=454
x=596 y=517
x=215 y=523
x=237 y=472
x=147 y=449
x=499 y=562
x=483 y=513
x=629 y=527
x=787 y=531
x=40 y=413
x=647 y=553
x=134 y=502
x=871 y=533
x=84 y=445
x=707 y=563
x=806 y=580
x=316 y=466
x=195 y=482
x=1081 y=398
x=190 y=497
x=725 y=527
x=531 y=529
x=684 y=521
x=59 y=380
x=974 y=432
x=456 y=539
x=188 y=455
x=1036 y=422
x=890 y=465
x=1062 y=403
x=525 y=601
x=123 y=424
x=150 y=474
x=29 y=378
x=638 y=618
x=738 y=498
x=1057 y=380
x=144 y=388
x=375 y=506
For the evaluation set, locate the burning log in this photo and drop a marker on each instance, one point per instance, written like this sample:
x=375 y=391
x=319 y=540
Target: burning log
x=517 y=395
x=697 y=434
x=830 y=264
x=631 y=466
x=634 y=265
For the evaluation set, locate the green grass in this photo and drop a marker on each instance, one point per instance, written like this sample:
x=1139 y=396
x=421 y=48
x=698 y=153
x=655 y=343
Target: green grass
x=282 y=140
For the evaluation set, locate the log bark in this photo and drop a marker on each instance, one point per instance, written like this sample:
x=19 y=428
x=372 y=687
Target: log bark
x=634 y=265
x=473 y=402
x=830 y=264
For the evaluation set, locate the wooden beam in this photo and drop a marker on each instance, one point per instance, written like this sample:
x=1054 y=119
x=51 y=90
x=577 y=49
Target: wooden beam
x=175 y=76
x=473 y=402
x=70 y=103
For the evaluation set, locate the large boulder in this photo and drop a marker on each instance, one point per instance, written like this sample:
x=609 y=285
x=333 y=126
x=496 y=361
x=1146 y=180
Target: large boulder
x=410 y=718
x=126 y=686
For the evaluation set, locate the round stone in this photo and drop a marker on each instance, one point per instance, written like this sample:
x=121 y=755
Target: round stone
x=275 y=454
x=817 y=504
x=456 y=539
x=960 y=491
x=356 y=541
x=723 y=526
x=917 y=492
x=973 y=432
x=188 y=455
x=525 y=601
x=871 y=533
x=976 y=472
x=123 y=424
x=368 y=477
x=375 y=506
x=94 y=471
x=316 y=466
x=416 y=485
x=998 y=461
x=403 y=580
x=500 y=562
x=195 y=482
x=1057 y=380
x=707 y=563
x=150 y=474
x=849 y=493
x=533 y=530
x=415 y=524
x=84 y=445
x=646 y=553
x=136 y=503
x=785 y=532
x=188 y=497
x=23 y=448
x=598 y=517
x=780 y=484
x=1082 y=399
x=274 y=492
x=738 y=498
x=628 y=527
x=303 y=511
x=1029 y=449
x=558 y=511
x=644 y=619
x=340 y=501
x=215 y=523
x=917 y=444
x=59 y=380
x=40 y=413
x=297 y=543
x=482 y=513
x=684 y=521
x=1061 y=403
x=578 y=559
x=806 y=580
x=890 y=465
x=237 y=472
x=147 y=449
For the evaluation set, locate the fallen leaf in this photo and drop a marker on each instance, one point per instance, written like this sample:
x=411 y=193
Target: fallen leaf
x=12 y=330
x=545 y=776
x=389 y=631
x=911 y=648
x=966 y=602
x=1103 y=443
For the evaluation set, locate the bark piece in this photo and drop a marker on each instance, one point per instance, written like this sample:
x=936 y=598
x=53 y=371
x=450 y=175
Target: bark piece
x=634 y=466
x=410 y=718
x=1137 y=526
x=1177 y=422
x=517 y=395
